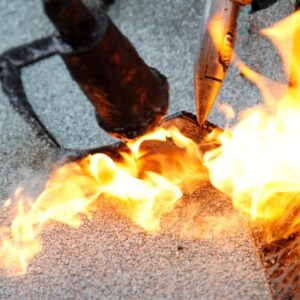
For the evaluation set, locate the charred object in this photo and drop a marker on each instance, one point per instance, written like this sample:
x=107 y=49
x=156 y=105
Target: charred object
x=129 y=97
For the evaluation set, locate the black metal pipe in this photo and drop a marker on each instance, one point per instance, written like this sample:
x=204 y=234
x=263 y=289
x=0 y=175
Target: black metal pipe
x=129 y=97
x=10 y=76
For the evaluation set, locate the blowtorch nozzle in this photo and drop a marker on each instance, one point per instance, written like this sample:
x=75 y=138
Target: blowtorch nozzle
x=212 y=63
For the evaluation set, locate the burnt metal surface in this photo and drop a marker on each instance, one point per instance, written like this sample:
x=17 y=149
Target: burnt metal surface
x=186 y=123
x=281 y=260
x=129 y=97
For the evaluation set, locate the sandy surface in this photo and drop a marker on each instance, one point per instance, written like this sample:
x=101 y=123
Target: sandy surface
x=109 y=257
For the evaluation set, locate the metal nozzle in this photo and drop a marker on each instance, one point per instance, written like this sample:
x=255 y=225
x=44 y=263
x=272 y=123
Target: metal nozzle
x=212 y=63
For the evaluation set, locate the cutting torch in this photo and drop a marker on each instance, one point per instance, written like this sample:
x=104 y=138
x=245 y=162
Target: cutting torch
x=213 y=60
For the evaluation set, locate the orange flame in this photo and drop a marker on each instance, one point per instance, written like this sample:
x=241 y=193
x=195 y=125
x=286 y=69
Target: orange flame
x=258 y=163
x=143 y=192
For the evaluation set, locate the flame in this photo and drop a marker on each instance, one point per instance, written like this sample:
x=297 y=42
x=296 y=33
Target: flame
x=227 y=110
x=142 y=185
x=258 y=163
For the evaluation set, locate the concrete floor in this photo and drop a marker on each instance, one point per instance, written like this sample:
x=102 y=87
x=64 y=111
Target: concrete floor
x=109 y=257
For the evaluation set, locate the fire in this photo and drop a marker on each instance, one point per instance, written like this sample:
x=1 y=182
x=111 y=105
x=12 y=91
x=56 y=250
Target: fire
x=258 y=163
x=142 y=185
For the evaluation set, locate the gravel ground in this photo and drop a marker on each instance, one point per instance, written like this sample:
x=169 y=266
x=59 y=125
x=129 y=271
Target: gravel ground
x=109 y=257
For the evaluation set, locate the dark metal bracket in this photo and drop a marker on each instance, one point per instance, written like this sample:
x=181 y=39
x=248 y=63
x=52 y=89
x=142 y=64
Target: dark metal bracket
x=11 y=64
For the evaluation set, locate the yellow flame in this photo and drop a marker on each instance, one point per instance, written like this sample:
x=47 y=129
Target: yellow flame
x=7 y=203
x=143 y=185
x=258 y=163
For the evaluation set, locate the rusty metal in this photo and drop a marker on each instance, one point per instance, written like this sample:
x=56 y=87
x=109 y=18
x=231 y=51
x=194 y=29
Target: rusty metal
x=281 y=260
x=129 y=97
